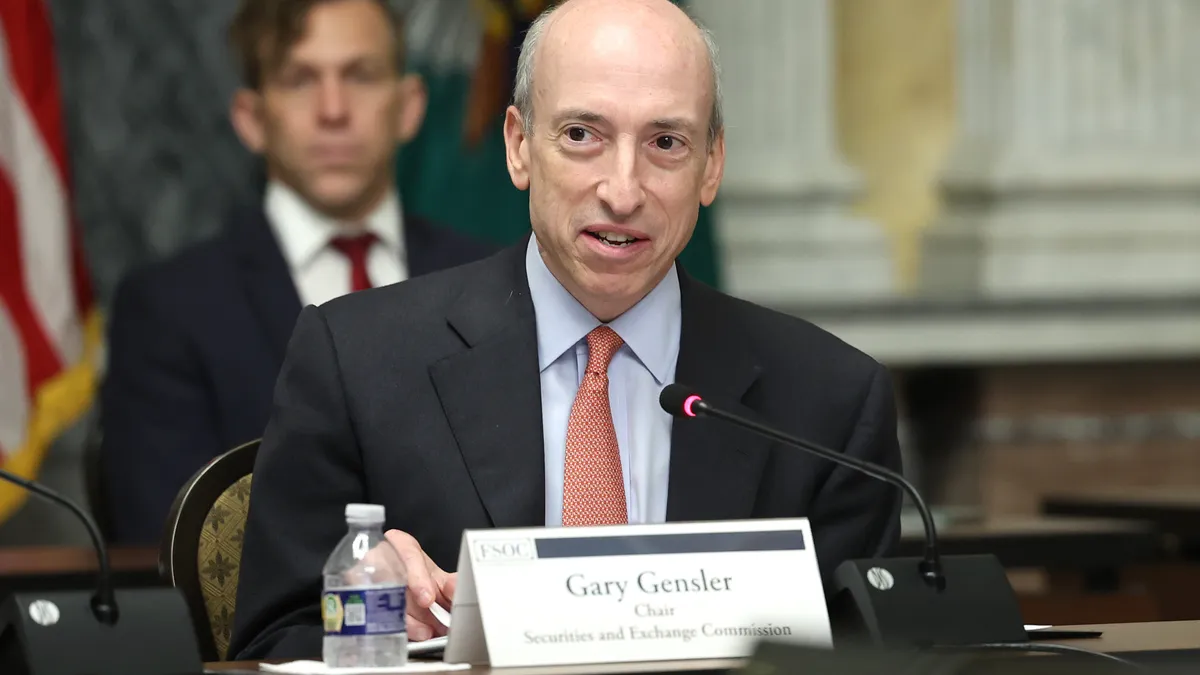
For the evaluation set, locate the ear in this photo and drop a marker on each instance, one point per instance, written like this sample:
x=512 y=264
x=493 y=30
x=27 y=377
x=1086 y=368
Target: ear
x=414 y=101
x=714 y=170
x=516 y=148
x=245 y=112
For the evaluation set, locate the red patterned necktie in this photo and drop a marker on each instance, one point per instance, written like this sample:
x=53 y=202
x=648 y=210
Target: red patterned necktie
x=355 y=249
x=593 y=487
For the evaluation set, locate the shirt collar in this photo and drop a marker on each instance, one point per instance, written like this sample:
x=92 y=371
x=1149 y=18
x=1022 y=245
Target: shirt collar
x=303 y=232
x=650 y=328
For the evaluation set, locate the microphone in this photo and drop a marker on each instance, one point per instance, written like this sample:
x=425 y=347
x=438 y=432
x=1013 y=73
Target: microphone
x=677 y=399
x=103 y=603
x=956 y=601
x=65 y=632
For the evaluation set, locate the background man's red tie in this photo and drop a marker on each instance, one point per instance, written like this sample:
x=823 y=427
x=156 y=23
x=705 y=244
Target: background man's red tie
x=593 y=485
x=356 y=249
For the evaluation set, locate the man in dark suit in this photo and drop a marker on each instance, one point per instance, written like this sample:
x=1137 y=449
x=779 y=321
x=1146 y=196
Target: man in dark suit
x=197 y=341
x=521 y=390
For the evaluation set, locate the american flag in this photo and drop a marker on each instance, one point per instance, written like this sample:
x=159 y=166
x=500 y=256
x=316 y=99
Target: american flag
x=49 y=334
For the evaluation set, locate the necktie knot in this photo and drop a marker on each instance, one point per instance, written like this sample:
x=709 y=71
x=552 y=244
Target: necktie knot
x=354 y=247
x=603 y=343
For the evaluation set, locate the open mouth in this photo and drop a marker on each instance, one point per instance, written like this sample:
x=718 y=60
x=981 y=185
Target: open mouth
x=614 y=239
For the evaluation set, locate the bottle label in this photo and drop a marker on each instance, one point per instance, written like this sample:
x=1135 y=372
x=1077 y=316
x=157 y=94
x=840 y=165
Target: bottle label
x=365 y=611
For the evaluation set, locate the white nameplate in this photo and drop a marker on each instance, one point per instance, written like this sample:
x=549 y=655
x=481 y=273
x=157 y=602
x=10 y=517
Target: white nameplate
x=541 y=596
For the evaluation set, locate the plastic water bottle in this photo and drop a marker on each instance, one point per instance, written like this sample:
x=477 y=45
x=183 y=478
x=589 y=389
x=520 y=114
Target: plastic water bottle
x=362 y=607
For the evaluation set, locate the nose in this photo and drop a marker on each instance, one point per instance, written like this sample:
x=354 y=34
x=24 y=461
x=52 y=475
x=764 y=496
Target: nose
x=332 y=107
x=621 y=190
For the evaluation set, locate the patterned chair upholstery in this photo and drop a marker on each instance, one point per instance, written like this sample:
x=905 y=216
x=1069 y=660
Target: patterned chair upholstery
x=202 y=546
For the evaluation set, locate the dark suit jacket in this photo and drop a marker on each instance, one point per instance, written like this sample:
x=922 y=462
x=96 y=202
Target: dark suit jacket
x=425 y=397
x=195 y=345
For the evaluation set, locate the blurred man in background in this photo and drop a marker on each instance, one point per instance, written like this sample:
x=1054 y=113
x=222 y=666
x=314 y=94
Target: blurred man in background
x=196 y=341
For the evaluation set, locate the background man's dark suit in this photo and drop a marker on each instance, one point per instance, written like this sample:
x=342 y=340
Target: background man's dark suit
x=196 y=343
x=425 y=397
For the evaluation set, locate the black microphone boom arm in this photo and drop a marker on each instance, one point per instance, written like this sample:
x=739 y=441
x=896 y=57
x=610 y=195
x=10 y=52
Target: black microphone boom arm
x=104 y=605
x=898 y=602
x=931 y=570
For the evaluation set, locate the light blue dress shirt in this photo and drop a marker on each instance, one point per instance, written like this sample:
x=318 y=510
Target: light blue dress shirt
x=638 y=372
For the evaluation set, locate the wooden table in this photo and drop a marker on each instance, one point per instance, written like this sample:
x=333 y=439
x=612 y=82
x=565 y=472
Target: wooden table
x=1044 y=541
x=1153 y=643
x=1157 y=636
x=63 y=568
x=1175 y=512
x=1082 y=563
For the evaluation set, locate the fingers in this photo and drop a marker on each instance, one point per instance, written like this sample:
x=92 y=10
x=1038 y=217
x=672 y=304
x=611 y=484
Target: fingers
x=421 y=623
x=421 y=587
x=419 y=631
x=428 y=585
x=448 y=584
x=429 y=628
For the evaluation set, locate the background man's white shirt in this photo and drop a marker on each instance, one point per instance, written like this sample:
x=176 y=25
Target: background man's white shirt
x=319 y=271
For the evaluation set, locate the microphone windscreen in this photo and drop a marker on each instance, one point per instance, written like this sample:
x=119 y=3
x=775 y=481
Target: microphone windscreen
x=677 y=398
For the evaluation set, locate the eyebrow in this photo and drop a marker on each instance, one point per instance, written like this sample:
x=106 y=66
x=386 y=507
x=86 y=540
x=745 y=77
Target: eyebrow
x=578 y=115
x=674 y=124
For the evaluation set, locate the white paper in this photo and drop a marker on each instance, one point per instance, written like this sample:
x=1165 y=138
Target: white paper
x=427 y=646
x=440 y=614
x=1029 y=627
x=319 y=668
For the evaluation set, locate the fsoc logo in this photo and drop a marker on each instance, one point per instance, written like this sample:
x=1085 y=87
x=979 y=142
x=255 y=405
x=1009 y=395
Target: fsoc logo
x=499 y=550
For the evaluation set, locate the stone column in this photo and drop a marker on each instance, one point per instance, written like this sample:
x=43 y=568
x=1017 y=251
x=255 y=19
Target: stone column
x=896 y=113
x=784 y=209
x=1077 y=168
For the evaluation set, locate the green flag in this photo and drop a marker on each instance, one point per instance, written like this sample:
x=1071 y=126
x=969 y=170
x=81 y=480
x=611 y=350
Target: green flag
x=454 y=171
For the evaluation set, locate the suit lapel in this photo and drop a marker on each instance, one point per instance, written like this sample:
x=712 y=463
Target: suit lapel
x=491 y=391
x=715 y=468
x=266 y=280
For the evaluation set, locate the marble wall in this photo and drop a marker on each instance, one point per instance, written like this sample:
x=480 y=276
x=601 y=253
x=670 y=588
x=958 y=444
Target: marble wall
x=1046 y=149
x=1078 y=91
x=1078 y=159
x=886 y=156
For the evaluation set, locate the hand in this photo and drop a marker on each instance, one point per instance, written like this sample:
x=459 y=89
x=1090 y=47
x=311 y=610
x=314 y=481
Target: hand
x=428 y=584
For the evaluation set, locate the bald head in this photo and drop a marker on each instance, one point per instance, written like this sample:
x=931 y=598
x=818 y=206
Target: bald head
x=612 y=31
x=615 y=132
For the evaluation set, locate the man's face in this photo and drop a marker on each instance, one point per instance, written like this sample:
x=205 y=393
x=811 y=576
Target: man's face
x=618 y=162
x=328 y=119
